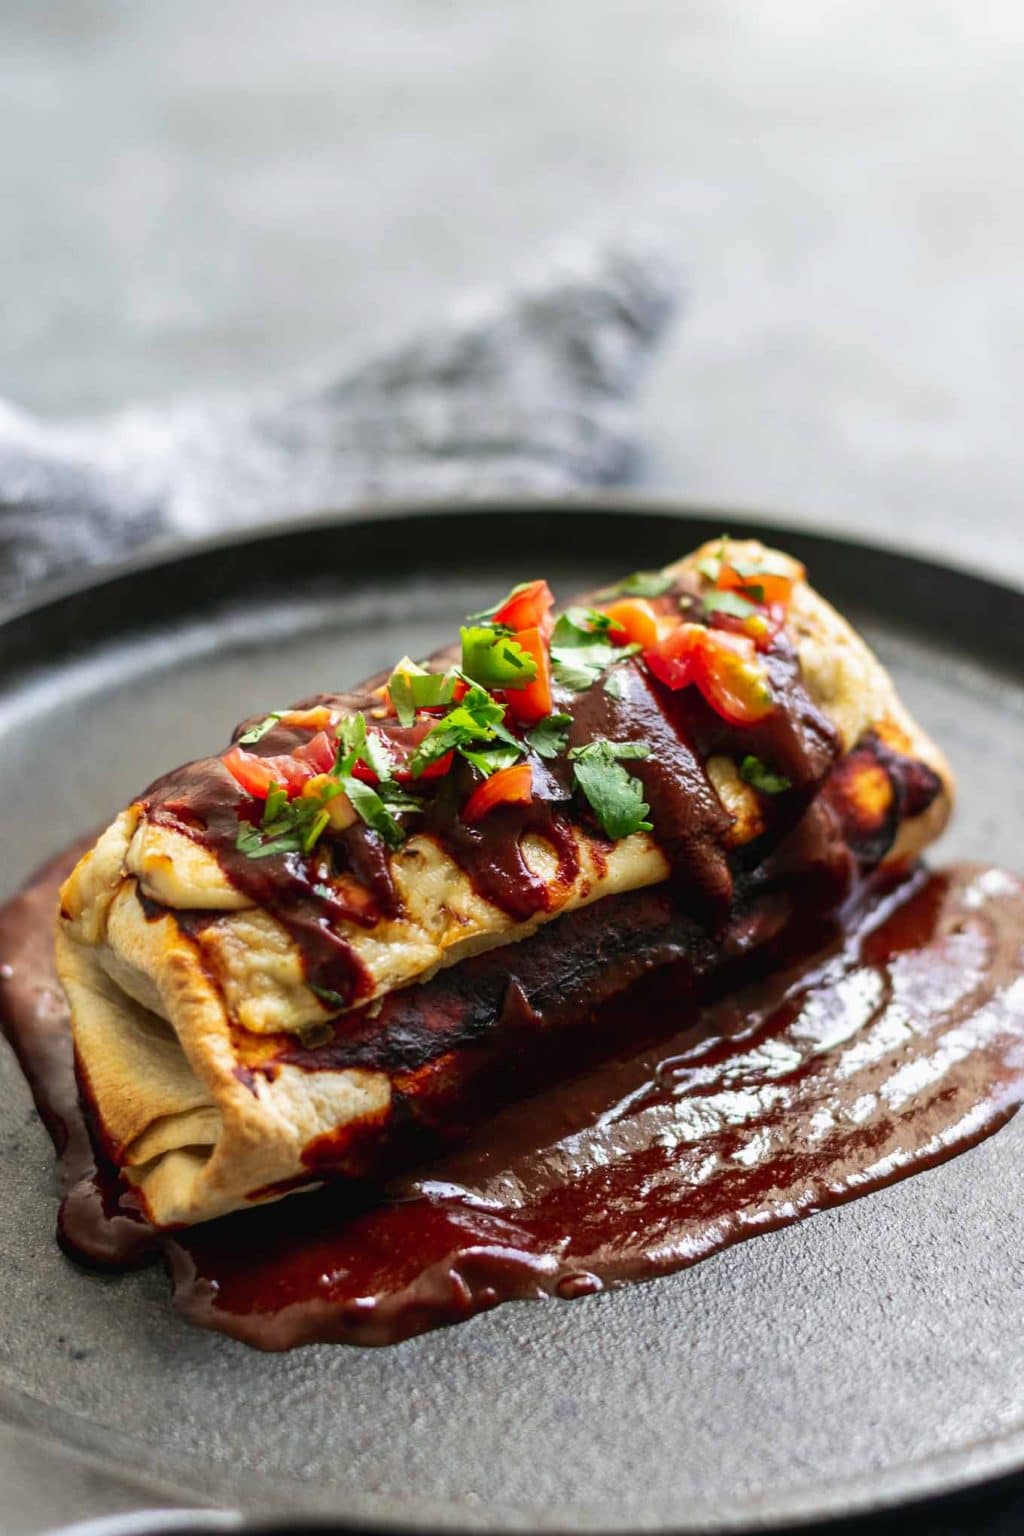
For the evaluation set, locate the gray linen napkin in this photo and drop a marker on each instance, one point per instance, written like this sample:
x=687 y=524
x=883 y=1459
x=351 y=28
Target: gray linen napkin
x=524 y=393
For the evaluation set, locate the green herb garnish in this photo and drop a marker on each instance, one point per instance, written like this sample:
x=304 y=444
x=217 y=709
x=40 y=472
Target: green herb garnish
x=640 y=584
x=492 y=658
x=332 y=999
x=411 y=687
x=259 y=731
x=581 y=649
x=296 y=826
x=550 y=736
x=491 y=759
x=371 y=809
x=615 y=797
x=357 y=744
x=287 y=826
x=754 y=771
x=477 y=719
x=730 y=602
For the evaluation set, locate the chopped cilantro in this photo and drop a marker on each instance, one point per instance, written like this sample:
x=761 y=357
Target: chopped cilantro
x=490 y=759
x=371 y=809
x=754 y=771
x=259 y=731
x=640 y=584
x=478 y=718
x=411 y=688
x=398 y=798
x=730 y=602
x=615 y=797
x=287 y=826
x=638 y=750
x=332 y=999
x=494 y=659
x=277 y=799
x=582 y=626
x=711 y=565
x=296 y=826
x=357 y=744
x=550 y=736
x=613 y=685
x=581 y=650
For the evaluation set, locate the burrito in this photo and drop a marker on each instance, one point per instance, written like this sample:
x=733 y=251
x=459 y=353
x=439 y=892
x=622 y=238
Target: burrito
x=283 y=960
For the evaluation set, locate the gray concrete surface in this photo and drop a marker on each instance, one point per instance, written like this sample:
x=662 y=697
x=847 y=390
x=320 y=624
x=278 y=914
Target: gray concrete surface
x=220 y=192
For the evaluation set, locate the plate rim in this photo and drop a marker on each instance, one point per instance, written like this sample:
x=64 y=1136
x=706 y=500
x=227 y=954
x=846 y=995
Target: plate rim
x=180 y=545
x=920 y=1481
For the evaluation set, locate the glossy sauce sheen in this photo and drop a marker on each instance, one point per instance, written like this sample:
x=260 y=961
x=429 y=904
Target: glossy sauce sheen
x=895 y=1043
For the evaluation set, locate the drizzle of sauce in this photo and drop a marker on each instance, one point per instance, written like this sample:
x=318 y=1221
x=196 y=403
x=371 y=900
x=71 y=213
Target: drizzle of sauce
x=880 y=1046
x=348 y=877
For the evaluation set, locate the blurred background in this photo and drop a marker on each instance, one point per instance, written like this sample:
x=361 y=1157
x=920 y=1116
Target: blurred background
x=206 y=197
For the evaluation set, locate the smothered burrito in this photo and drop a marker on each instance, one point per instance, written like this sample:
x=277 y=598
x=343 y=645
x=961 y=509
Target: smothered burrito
x=287 y=961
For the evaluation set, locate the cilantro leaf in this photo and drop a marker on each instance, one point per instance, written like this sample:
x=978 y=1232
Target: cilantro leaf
x=332 y=999
x=730 y=602
x=754 y=771
x=613 y=685
x=550 y=736
x=615 y=797
x=287 y=826
x=296 y=826
x=580 y=667
x=640 y=584
x=412 y=688
x=251 y=842
x=490 y=759
x=582 y=626
x=494 y=659
x=357 y=744
x=618 y=749
x=478 y=718
x=398 y=798
x=581 y=649
x=259 y=731
x=371 y=809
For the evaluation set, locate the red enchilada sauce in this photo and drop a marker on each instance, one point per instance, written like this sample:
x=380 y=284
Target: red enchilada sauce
x=892 y=1042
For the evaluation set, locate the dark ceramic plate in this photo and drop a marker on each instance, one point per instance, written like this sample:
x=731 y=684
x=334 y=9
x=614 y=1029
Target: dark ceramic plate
x=870 y=1355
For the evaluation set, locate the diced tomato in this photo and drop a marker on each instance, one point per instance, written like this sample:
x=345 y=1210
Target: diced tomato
x=529 y=608
x=725 y=667
x=759 y=586
x=534 y=702
x=671 y=660
x=363 y=771
x=509 y=786
x=256 y=775
x=638 y=622
x=435 y=770
x=732 y=678
x=320 y=752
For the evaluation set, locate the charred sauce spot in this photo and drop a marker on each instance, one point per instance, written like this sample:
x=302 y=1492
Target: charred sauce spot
x=874 y=790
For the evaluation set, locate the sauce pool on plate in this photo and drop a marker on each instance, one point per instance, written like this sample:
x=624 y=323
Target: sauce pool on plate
x=887 y=1045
